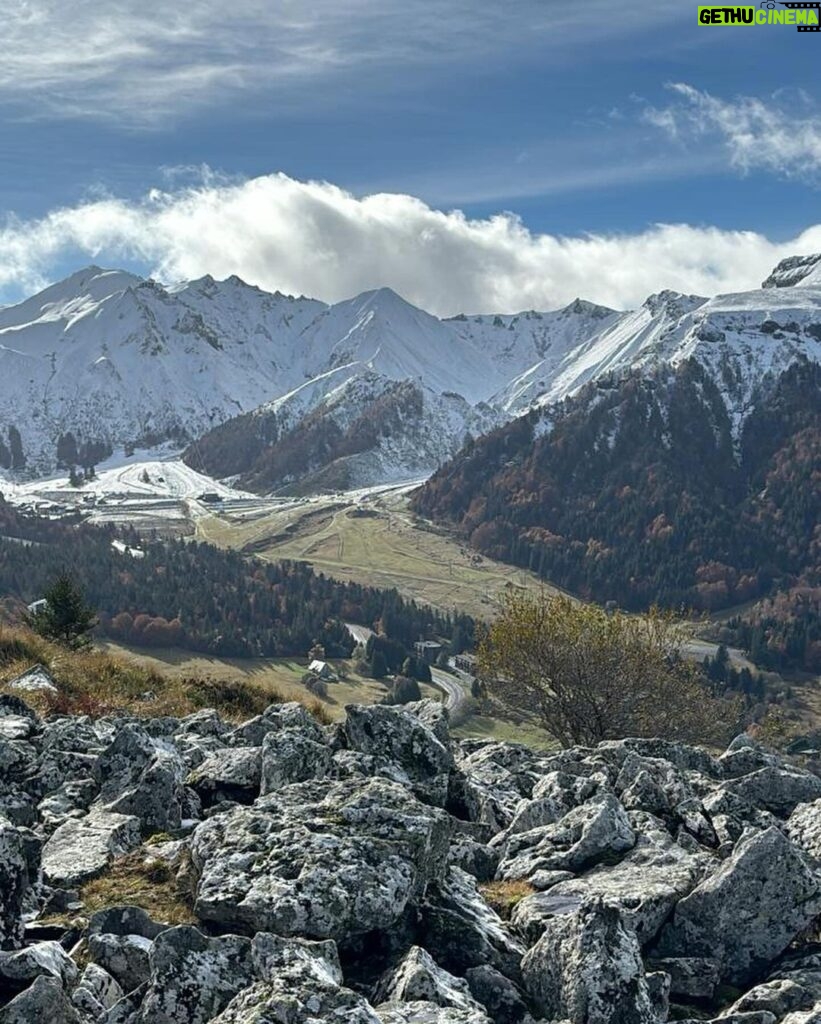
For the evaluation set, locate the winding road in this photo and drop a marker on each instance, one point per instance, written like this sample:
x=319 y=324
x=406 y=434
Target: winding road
x=453 y=690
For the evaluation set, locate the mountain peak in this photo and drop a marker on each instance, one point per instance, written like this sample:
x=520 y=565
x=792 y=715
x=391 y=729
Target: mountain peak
x=677 y=303
x=584 y=307
x=80 y=290
x=796 y=270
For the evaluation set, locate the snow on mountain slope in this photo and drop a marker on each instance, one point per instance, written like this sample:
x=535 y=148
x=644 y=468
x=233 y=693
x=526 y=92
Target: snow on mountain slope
x=529 y=346
x=139 y=477
x=117 y=360
x=796 y=270
x=615 y=341
x=390 y=336
x=351 y=427
x=121 y=362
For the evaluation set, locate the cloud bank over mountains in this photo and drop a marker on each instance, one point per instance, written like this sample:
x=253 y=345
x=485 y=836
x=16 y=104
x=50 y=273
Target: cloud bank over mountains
x=313 y=238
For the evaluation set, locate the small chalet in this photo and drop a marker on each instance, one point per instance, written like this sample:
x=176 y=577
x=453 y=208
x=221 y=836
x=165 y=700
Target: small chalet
x=427 y=650
x=321 y=669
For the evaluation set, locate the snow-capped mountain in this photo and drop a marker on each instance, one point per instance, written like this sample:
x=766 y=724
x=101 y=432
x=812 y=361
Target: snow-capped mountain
x=796 y=270
x=116 y=361
x=340 y=431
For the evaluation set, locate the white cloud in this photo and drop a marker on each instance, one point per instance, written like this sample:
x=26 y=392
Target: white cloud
x=148 y=62
x=781 y=134
x=316 y=239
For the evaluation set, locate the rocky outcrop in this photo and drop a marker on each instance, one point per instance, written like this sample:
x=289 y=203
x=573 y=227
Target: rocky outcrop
x=743 y=915
x=82 y=847
x=320 y=859
x=587 y=969
x=346 y=874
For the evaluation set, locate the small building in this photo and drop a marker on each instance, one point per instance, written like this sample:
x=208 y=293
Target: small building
x=465 y=663
x=427 y=650
x=38 y=606
x=321 y=669
x=124 y=549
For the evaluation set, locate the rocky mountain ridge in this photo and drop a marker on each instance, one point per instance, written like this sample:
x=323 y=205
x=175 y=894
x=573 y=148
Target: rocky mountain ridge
x=347 y=873
x=106 y=360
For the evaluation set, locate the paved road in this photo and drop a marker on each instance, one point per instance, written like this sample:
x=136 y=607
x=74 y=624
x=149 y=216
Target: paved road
x=453 y=690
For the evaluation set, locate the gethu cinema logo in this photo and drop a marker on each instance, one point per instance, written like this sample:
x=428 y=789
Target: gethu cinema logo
x=805 y=16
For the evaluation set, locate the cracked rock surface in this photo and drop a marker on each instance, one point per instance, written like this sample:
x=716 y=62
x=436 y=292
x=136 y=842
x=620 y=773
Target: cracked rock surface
x=382 y=872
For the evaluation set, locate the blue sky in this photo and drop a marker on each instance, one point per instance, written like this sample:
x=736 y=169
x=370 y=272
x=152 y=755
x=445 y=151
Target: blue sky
x=592 y=119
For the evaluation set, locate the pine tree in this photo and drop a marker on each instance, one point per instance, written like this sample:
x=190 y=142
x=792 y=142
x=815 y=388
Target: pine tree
x=66 y=618
x=18 y=458
x=379 y=666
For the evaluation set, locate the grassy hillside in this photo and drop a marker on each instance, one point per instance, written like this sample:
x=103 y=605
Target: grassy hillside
x=377 y=543
x=100 y=682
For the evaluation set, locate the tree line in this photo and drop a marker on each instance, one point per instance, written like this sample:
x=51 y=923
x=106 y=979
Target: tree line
x=637 y=490
x=199 y=597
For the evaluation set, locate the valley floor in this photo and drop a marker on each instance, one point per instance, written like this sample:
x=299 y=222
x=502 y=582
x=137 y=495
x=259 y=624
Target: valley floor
x=371 y=537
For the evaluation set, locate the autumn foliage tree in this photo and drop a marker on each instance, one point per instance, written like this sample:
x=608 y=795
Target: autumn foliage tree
x=590 y=676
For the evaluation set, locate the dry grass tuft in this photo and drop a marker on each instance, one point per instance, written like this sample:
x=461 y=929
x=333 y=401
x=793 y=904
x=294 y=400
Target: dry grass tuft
x=96 y=683
x=503 y=896
x=141 y=880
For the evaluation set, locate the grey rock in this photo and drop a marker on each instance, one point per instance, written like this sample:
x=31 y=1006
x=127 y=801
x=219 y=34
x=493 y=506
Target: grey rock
x=692 y=977
x=778 y=997
x=47 y=959
x=428 y=1013
x=230 y=773
x=645 y=886
x=730 y=816
x=418 y=978
x=491 y=780
x=587 y=969
x=202 y=723
x=651 y=784
x=319 y=859
x=96 y=993
x=194 y=978
x=297 y=982
x=776 y=789
x=584 y=836
x=745 y=760
x=139 y=776
x=541 y=881
x=683 y=756
x=461 y=931
x=804 y=828
x=292 y=755
x=71 y=800
x=17 y=727
x=401 y=738
x=43 y=1002
x=553 y=796
x=124 y=957
x=37 y=678
x=502 y=999
x=14 y=880
x=12 y=705
x=749 y=910
x=18 y=759
x=274 y=719
x=120 y=940
x=478 y=859
x=127 y=1009
x=82 y=848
